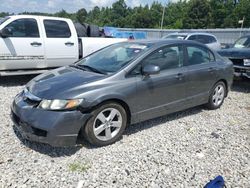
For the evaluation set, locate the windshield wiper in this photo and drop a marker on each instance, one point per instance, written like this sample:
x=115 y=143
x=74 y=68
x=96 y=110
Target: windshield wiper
x=77 y=66
x=91 y=69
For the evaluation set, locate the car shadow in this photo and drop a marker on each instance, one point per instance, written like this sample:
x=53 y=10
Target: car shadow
x=46 y=149
x=10 y=81
x=55 y=152
x=131 y=129
x=241 y=85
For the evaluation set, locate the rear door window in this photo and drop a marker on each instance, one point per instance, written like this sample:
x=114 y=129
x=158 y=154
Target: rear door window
x=57 y=29
x=198 y=55
x=192 y=37
x=205 y=39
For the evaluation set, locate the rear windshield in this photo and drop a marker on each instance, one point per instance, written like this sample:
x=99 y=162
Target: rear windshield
x=181 y=37
x=2 y=20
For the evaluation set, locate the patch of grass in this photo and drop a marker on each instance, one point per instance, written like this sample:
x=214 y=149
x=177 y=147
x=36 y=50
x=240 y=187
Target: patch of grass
x=79 y=167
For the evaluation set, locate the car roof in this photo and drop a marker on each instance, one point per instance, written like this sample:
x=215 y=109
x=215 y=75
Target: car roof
x=37 y=16
x=191 y=33
x=157 y=42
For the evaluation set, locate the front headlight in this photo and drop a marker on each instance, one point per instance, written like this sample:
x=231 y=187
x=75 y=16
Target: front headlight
x=246 y=62
x=59 y=104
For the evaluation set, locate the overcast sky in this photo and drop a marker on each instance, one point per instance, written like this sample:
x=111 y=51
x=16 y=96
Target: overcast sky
x=51 y=6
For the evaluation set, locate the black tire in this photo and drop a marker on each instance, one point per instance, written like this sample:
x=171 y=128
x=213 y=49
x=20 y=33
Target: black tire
x=81 y=29
x=93 y=31
x=212 y=105
x=88 y=131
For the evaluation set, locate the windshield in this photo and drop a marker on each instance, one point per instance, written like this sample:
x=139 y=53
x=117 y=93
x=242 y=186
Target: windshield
x=111 y=59
x=181 y=37
x=243 y=42
x=2 y=20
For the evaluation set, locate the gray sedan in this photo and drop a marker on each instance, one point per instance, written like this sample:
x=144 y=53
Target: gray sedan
x=125 y=83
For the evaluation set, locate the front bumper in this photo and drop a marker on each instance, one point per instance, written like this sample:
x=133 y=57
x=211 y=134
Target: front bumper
x=56 y=128
x=241 y=71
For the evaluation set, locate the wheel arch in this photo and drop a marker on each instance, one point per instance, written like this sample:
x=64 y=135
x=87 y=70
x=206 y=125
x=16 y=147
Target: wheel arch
x=120 y=102
x=101 y=101
x=226 y=84
x=114 y=100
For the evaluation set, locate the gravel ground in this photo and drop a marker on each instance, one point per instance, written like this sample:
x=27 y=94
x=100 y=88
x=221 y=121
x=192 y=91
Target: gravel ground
x=185 y=149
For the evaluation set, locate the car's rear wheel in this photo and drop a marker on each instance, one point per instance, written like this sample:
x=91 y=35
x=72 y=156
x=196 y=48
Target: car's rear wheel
x=106 y=125
x=217 y=96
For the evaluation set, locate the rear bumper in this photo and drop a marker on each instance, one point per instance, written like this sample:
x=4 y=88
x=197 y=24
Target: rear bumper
x=56 y=128
x=241 y=71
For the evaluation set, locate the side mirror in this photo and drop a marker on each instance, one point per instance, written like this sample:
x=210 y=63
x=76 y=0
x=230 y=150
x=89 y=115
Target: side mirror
x=150 y=70
x=5 y=32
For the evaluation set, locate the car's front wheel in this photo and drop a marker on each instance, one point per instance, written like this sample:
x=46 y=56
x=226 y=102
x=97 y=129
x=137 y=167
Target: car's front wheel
x=106 y=125
x=217 y=96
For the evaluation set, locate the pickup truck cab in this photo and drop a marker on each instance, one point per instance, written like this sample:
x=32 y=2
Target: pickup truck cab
x=33 y=44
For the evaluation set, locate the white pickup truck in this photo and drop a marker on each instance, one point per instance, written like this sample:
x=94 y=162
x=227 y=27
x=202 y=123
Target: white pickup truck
x=33 y=44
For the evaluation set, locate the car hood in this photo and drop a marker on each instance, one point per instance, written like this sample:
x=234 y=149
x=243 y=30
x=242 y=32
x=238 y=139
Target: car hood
x=235 y=53
x=62 y=83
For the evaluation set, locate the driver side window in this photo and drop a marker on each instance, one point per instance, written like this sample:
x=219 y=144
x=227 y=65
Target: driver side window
x=26 y=27
x=169 y=57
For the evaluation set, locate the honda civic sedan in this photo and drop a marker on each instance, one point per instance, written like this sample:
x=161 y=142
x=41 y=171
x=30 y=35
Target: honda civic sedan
x=122 y=84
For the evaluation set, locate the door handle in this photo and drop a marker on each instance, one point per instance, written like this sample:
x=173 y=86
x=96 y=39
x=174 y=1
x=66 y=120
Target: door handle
x=69 y=43
x=35 y=44
x=179 y=76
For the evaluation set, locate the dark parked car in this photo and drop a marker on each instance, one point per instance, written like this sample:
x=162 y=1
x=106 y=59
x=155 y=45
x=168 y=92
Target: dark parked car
x=239 y=54
x=122 y=84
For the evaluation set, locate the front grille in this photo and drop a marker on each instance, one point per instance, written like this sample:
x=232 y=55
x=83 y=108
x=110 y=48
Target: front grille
x=239 y=70
x=238 y=62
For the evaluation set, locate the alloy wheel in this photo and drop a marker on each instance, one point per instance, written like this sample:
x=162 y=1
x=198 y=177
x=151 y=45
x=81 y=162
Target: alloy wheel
x=107 y=124
x=218 y=95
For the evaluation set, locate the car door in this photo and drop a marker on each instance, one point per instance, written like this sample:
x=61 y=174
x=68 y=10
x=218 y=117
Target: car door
x=201 y=73
x=165 y=92
x=23 y=47
x=61 y=42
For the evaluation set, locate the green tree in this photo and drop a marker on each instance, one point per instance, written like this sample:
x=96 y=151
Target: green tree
x=93 y=16
x=222 y=13
x=105 y=17
x=3 y=14
x=242 y=11
x=81 y=15
x=175 y=13
x=181 y=14
x=156 y=14
x=118 y=13
x=142 y=17
x=62 y=14
x=198 y=15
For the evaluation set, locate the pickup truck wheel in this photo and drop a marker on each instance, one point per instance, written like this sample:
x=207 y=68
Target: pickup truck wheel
x=106 y=125
x=217 y=96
